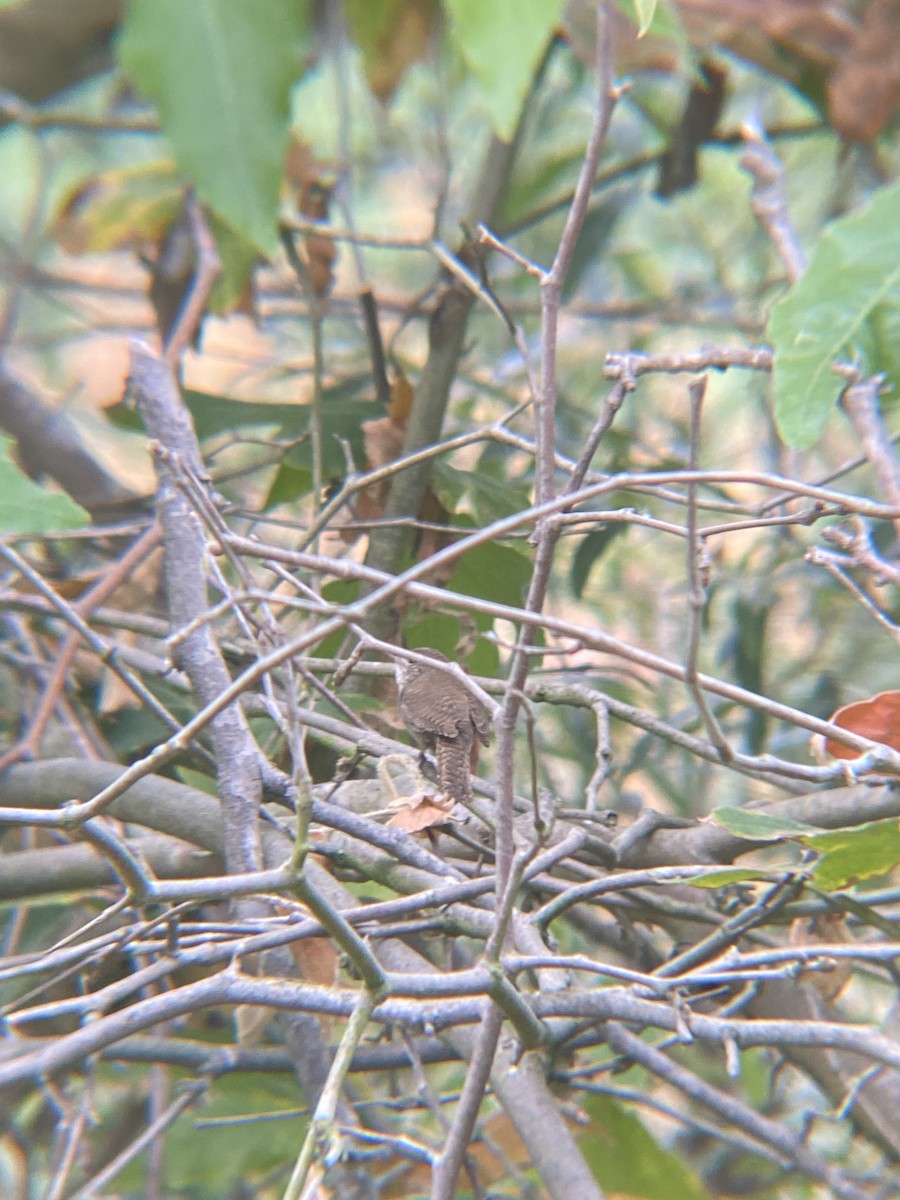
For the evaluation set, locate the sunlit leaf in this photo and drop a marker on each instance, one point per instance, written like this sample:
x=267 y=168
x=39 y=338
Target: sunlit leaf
x=851 y=855
x=645 y=10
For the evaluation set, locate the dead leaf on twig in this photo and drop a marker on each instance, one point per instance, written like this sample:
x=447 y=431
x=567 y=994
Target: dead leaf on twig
x=824 y=928
x=383 y=439
x=422 y=811
x=309 y=180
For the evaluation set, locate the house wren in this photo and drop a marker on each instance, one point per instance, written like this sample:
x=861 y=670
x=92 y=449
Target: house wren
x=444 y=717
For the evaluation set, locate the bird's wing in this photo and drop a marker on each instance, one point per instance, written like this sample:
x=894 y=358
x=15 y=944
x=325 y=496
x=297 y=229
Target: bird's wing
x=481 y=723
x=445 y=721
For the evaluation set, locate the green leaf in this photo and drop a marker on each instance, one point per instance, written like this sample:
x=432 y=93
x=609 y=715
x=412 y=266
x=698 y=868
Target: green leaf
x=337 y=591
x=645 y=10
x=879 y=342
x=759 y=827
x=220 y=76
x=502 y=42
x=491 y=497
x=342 y=417
x=849 y=855
x=25 y=507
x=728 y=876
x=288 y=484
x=492 y=572
x=247 y=1125
x=132 y=732
x=212 y=1156
x=596 y=230
x=627 y=1160
x=484 y=659
x=238 y=257
x=214 y=414
x=217 y=414
x=590 y=550
x=437 y=630
x=665 y=23
x=854 y=269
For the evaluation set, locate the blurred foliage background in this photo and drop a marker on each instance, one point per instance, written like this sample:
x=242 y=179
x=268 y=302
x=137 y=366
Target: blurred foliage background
x=380 y=119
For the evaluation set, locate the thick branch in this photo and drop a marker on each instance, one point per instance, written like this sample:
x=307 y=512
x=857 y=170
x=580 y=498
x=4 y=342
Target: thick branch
x=153 y=387
x=49 y=444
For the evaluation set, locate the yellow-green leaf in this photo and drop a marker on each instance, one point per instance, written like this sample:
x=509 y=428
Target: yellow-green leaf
x=645 y=10
x=850 y=855
x=628 y=1161
x=759 y=827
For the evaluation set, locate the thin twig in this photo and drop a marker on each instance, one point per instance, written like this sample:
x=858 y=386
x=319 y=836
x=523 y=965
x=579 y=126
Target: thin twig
x=697 y=591
x=207 y=271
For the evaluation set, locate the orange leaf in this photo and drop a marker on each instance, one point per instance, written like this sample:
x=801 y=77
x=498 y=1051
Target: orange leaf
x=877 y=719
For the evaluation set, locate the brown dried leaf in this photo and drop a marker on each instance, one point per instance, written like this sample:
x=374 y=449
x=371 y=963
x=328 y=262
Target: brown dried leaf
x=864 y=89
x=401 y=40
x=383 y=440
x=824 y=928
x=814 y=31
x=422 y=811
x=299 y=164
x=877 y=719
x=317 y=960
x=315 y=197
x=382 y=443
x=306 y=176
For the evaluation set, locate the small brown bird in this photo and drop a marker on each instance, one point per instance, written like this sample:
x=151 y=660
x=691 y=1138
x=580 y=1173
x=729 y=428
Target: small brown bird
x=444 y=718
